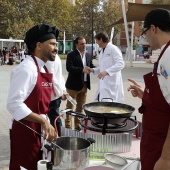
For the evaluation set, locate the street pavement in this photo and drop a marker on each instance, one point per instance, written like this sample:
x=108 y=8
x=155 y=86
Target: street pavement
x=135 y=72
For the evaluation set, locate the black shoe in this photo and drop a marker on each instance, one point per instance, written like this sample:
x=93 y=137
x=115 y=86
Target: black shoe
x=78 y=128
x=68 y=127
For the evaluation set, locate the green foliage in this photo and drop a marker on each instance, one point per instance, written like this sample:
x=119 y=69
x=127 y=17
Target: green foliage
x=17 y=16
x=62 y=56
x=104 y=13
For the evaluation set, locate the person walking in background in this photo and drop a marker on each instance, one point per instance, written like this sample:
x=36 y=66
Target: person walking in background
x=1 y=57
x=4 y=52
x=10 y=58
x=23 y=55
x=109 y=70
x=59 y=86
x=19 y=53
x=29 y=98
x=155 y=141
x=78 y=65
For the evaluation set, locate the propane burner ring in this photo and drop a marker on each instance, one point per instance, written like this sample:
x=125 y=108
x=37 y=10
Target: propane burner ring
x=106 y=124
x=105 y=128
x=109 y=126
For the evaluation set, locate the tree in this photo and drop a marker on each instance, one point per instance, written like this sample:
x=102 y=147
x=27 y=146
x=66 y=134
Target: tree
x=82 y=25
x=17 y=19
x=104 y=13
x=62 y=16
x=4 y=17
x=18 y=16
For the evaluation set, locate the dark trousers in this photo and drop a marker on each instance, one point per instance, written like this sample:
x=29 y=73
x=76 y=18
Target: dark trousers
x=54 y=112
x=2 y=60
x=80 y=97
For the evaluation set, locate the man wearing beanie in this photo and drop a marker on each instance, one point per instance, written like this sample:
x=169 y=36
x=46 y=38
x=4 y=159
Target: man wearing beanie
x=30 y=96
x=156 y=95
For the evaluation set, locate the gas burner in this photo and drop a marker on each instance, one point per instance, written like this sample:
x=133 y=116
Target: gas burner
x=109 y=126
x=106 y=124
x=86 y=123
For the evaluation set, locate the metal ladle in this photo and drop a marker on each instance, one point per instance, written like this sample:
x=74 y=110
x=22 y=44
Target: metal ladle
x=41 y=136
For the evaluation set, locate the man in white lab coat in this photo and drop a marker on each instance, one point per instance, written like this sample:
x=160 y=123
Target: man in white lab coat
x=109 y=70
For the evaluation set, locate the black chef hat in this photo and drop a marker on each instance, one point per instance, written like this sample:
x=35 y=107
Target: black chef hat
x=159 y=17
x=40 y=33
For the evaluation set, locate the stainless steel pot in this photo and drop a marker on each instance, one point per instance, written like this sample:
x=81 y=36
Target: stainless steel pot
x=74 y=153
x=69 y=153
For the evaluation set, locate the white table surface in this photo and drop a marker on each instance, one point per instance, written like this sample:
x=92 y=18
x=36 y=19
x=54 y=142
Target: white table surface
x=133 y=157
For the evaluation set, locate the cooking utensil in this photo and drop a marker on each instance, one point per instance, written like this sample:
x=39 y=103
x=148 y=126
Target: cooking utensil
x=69 y=152
x=48 y=147
x=75 y=153
x=114 y=160
x=112 y=117
x=72 y=101
x=73 y=113
x=39 y=134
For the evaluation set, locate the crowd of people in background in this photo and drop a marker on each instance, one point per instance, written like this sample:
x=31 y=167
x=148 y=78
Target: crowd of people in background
x=12 y=55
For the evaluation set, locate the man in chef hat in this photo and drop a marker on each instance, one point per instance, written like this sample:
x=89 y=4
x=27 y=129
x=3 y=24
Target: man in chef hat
x=29 y=98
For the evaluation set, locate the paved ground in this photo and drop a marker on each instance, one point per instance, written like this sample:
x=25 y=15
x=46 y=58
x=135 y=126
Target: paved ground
x=136 y=72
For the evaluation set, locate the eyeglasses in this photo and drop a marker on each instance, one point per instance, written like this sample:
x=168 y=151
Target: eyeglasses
x=144 y=32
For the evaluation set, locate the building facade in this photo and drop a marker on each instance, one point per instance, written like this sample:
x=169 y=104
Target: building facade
x=121 y=37
x=146 y=1
x=139 y=45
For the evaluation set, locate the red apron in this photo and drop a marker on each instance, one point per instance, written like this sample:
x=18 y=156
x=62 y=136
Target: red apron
x=156 y=119
x=26 y=144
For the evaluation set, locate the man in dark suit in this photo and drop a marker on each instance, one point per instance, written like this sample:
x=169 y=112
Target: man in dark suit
x=78 y=65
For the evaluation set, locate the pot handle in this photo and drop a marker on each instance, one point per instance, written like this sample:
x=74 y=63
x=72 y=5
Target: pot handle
x=48 y=147
x=91 y=140
x=72 y=113
x=107 y=98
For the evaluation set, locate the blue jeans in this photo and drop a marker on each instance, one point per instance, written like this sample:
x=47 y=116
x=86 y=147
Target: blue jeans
x=54 y=112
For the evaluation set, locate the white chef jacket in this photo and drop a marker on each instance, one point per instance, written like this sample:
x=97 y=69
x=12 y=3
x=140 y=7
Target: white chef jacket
x=55 y=67
x=111 y=86
x=164 y=64
x=22 y=82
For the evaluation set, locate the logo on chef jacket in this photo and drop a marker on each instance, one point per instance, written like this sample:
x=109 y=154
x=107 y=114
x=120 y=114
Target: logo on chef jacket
x=46 y=84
